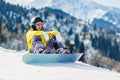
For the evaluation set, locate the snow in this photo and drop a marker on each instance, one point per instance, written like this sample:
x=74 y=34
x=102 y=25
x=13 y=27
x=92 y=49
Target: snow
x=81 y=9
x=13 y=68
x=20 y=2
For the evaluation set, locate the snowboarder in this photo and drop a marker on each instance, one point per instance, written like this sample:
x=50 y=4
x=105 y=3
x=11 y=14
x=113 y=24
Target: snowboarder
x=39 y=41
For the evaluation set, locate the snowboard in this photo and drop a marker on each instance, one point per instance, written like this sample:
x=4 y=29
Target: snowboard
x=50 y=58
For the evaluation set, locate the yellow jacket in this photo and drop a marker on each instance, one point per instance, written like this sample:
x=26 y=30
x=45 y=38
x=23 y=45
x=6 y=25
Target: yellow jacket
x=45 y=36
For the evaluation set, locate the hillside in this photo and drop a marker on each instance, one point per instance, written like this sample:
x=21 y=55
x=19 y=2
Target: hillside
x=15 y=21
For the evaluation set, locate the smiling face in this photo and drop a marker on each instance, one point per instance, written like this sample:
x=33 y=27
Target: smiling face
x=39 y=25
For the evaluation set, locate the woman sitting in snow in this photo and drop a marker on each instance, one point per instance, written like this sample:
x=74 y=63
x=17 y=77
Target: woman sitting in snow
x=39 y=41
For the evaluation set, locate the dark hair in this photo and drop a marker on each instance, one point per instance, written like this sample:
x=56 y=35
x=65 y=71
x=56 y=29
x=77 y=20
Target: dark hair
x=34 y=21
x=33 y=27
x=37 y=19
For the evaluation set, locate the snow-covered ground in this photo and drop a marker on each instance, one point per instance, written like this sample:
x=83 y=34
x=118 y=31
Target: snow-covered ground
x=13 y=68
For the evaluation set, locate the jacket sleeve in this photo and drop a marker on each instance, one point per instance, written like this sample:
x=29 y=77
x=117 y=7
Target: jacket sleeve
x=53 y=33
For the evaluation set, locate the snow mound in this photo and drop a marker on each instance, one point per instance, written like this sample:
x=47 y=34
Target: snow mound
x=13 y=68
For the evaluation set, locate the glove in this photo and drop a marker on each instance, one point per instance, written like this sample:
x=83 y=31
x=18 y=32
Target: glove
x=45 y=52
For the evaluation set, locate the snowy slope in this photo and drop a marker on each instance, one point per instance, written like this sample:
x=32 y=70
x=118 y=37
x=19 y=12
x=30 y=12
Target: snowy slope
x=12 y=68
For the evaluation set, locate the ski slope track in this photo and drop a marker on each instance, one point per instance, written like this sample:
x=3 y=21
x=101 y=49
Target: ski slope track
x=13 y=68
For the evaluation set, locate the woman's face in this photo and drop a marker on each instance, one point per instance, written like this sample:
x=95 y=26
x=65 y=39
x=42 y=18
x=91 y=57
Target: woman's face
x=39 y=25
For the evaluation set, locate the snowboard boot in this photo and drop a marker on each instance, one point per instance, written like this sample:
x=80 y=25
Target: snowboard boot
x=63 y=51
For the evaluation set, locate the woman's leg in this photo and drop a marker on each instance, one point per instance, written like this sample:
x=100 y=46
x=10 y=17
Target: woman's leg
x=37 y=46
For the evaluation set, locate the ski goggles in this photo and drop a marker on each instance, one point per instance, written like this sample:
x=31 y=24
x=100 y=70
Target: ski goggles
x=39 y=24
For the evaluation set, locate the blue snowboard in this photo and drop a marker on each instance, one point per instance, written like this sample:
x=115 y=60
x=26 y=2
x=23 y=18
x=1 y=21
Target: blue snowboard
x=50 y=58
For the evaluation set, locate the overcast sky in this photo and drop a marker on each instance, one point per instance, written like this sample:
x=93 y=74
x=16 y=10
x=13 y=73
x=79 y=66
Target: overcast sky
x=114 y=3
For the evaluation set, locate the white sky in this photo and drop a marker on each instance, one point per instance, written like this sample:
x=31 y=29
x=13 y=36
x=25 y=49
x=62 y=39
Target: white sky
x=114 y=3
x=23 y=2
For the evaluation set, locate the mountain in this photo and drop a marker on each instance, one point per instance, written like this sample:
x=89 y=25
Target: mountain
x=13 y=68
x=78 y=8
x=82 y=9
x=15 y=21
x=113 y=16
x=79 y=35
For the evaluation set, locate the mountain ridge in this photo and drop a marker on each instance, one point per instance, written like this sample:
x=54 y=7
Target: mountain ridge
x=81 y=9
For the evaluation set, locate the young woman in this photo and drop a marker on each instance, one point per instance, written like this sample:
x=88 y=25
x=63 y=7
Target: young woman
x=39 y=41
